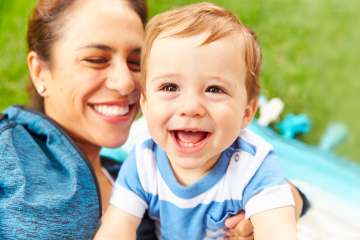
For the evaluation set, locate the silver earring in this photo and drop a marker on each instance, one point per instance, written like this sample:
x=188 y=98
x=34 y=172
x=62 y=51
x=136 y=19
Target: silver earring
x=41 y=89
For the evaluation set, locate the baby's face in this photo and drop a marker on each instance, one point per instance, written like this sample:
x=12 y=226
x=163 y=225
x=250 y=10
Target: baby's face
x=196 y=101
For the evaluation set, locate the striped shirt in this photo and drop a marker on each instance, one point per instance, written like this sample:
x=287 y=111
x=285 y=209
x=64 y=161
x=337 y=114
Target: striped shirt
x=246 y=177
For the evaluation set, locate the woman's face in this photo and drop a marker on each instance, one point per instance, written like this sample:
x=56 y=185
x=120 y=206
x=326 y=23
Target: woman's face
x=91 y=88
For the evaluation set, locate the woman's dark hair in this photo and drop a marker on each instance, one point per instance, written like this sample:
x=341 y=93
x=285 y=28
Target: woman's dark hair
x=44 y=29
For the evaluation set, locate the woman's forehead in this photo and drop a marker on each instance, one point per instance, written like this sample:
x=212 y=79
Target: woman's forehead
x=94 y=21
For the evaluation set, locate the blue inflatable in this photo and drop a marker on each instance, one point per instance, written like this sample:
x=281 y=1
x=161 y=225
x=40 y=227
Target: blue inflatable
x=311 y=164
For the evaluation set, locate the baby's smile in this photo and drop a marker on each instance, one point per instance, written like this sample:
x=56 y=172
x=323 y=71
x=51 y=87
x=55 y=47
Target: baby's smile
x=189 y=140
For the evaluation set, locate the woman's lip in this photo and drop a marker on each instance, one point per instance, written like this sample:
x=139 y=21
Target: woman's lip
x=113 y=102
x=114 y=113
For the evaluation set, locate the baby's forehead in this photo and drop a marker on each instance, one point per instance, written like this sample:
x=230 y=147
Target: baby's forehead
x=232 y=45
x=204 y=37
x=189 y=55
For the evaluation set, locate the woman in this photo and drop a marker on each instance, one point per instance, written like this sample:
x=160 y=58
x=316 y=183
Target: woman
x=84 y=62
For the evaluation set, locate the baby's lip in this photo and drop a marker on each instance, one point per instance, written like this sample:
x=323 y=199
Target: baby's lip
x=195 y=129
x=175 y=132
x=189 y=140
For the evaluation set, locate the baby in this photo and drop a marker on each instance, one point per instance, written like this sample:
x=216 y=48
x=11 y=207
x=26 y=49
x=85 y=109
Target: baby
x=200 y=73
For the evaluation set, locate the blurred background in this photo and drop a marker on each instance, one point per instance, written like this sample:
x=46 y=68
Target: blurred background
x=311 y=56
x=310 y=48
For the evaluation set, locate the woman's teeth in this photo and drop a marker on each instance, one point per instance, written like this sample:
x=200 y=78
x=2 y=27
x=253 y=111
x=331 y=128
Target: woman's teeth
x=111 y=111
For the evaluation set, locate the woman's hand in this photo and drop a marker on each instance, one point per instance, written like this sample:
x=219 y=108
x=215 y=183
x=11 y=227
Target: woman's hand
x=239 y=228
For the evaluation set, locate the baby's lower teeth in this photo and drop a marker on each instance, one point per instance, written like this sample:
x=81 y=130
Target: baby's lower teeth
x=185 y=144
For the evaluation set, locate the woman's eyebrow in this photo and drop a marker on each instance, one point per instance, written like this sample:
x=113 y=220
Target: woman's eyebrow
x=136 y=50
x=107 y=48
x=98 y=46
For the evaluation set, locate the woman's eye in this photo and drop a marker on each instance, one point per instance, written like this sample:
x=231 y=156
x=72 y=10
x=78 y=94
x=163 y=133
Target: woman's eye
x=97 y=60
x=169 y=87
x=134 y=66
x=215 y=89
x=133 y=60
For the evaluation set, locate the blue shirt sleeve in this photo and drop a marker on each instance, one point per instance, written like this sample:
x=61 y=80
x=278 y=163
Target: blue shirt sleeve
x=269 y=174
x=129 y=177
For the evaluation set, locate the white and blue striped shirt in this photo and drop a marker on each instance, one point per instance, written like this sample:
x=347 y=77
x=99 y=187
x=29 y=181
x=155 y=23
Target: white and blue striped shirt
x=246 y=177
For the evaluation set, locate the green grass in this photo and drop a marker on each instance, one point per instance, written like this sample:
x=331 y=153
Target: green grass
x=310 y=51
x=13 y=69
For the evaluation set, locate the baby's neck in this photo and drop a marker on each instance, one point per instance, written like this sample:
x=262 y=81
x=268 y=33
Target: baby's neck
x=188 y=176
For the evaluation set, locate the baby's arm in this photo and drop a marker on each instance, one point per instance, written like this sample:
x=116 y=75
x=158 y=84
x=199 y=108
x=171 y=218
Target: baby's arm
x=127 y=204
x=243 y=226
x=277 y=224
x=117 y=224
x=269 y=202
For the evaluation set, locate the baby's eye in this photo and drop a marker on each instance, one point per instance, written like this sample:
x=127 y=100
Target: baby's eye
x=215 y=89
x=169 y=87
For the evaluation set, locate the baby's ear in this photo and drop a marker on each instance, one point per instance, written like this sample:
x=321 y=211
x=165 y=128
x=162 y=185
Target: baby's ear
x=143 y=103
x=250 y=112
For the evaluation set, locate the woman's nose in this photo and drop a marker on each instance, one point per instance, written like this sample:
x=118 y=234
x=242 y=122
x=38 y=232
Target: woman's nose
x=121 y=79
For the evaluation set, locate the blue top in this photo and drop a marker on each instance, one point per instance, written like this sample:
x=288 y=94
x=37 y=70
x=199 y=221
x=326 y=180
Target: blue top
x=47 y=190
x=246 y=177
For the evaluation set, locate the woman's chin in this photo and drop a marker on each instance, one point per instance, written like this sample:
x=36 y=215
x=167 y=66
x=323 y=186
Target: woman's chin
x=112 y=141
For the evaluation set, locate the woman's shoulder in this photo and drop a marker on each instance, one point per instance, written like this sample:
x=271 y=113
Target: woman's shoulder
x=47 y=188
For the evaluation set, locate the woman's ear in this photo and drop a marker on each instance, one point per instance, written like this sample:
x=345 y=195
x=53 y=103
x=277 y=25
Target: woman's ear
x=39 y=72
x=250 y=112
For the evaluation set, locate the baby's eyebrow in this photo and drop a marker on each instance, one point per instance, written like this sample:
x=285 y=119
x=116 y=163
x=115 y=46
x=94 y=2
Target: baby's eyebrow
x=166 y=76
x=220 y=79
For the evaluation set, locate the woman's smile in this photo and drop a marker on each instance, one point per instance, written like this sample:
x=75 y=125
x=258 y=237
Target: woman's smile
x=115 y=113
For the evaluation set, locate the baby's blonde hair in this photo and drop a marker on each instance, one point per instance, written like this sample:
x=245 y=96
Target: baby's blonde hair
x=197 y=18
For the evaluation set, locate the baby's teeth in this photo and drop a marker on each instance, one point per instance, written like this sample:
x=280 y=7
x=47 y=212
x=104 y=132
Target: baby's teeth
x=186 y=144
